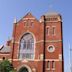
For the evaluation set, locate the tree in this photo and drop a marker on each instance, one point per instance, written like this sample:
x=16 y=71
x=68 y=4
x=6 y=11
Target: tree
x=6 y=66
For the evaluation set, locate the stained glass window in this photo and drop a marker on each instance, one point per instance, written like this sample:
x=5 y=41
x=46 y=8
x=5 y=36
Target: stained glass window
x=26 y=50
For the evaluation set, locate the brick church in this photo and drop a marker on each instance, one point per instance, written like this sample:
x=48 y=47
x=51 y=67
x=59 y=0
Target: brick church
x=36 y=45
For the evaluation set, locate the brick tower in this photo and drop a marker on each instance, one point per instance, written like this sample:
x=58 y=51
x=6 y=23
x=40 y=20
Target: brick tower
x=53 y=42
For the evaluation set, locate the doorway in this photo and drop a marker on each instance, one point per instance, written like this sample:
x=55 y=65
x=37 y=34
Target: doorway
x=23 y=69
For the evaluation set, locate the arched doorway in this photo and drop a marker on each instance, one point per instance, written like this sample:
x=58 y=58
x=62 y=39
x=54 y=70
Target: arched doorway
x=23 y=69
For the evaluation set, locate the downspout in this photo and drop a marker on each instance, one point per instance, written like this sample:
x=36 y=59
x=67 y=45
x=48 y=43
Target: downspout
x=62 y=48
x=15 y=22
x=44 y=44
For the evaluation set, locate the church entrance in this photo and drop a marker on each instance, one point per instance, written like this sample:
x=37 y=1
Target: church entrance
x=23 y=69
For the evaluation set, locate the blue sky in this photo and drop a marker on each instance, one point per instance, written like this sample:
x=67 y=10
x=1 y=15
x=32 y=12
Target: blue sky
x=9 y=9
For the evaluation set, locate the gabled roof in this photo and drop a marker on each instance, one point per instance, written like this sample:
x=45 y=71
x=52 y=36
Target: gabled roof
x=28 y=16
x=1 y=46
x=5 y=49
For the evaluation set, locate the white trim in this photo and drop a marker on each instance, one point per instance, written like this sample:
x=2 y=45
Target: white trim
x=32 y=60
x=24 y=21
x=41 y=56
x=52 y=21
x=53 y=69
x=48 y=30
x=53 y=34
x=47 y=68
x=52 y=60
x=29 y=69
x=48 y=65
x=41 y=20
x=43 y=41
x=26 y=60
x=60 y=57
x=52 y=47
x=35 y=60
x=53 y=40
x=28 y=18
x=53 y=65
x=34 y=69
x=59 y=19
x=4 y=54
x=0 y=58
x=53 y=26
x=39 y=41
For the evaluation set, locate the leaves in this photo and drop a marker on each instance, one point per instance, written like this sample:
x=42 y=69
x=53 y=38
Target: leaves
x=6 y=66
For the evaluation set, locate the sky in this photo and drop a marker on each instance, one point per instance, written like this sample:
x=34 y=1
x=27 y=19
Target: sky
x=10 y=9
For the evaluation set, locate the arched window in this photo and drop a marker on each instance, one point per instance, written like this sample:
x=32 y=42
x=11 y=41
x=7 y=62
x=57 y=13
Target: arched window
x=26 y=50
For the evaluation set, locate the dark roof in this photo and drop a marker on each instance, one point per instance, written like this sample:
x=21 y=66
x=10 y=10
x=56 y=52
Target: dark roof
x=5 y=49
x=51 y=13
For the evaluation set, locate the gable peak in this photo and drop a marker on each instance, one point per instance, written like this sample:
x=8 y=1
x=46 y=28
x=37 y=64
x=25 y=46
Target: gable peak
x=29 y=13
x=28 y=16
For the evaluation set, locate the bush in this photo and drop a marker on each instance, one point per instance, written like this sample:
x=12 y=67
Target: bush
x=6 y=66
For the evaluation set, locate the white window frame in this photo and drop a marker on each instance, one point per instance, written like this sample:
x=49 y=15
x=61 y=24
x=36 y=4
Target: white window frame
x=27 y=58
x=53 y=65
x=48 y=65
x=47 y=30
x=53 y=30
x=49 y=49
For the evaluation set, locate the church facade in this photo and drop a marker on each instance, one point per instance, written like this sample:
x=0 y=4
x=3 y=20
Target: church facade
x=36 y=45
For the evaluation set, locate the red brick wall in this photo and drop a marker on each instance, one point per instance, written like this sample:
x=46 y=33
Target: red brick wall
x=37 y=29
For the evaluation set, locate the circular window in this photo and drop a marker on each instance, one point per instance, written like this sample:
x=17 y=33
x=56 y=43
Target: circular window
x=51 y=48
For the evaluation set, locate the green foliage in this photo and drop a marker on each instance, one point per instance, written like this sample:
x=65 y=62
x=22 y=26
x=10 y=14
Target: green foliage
x=6 y=66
